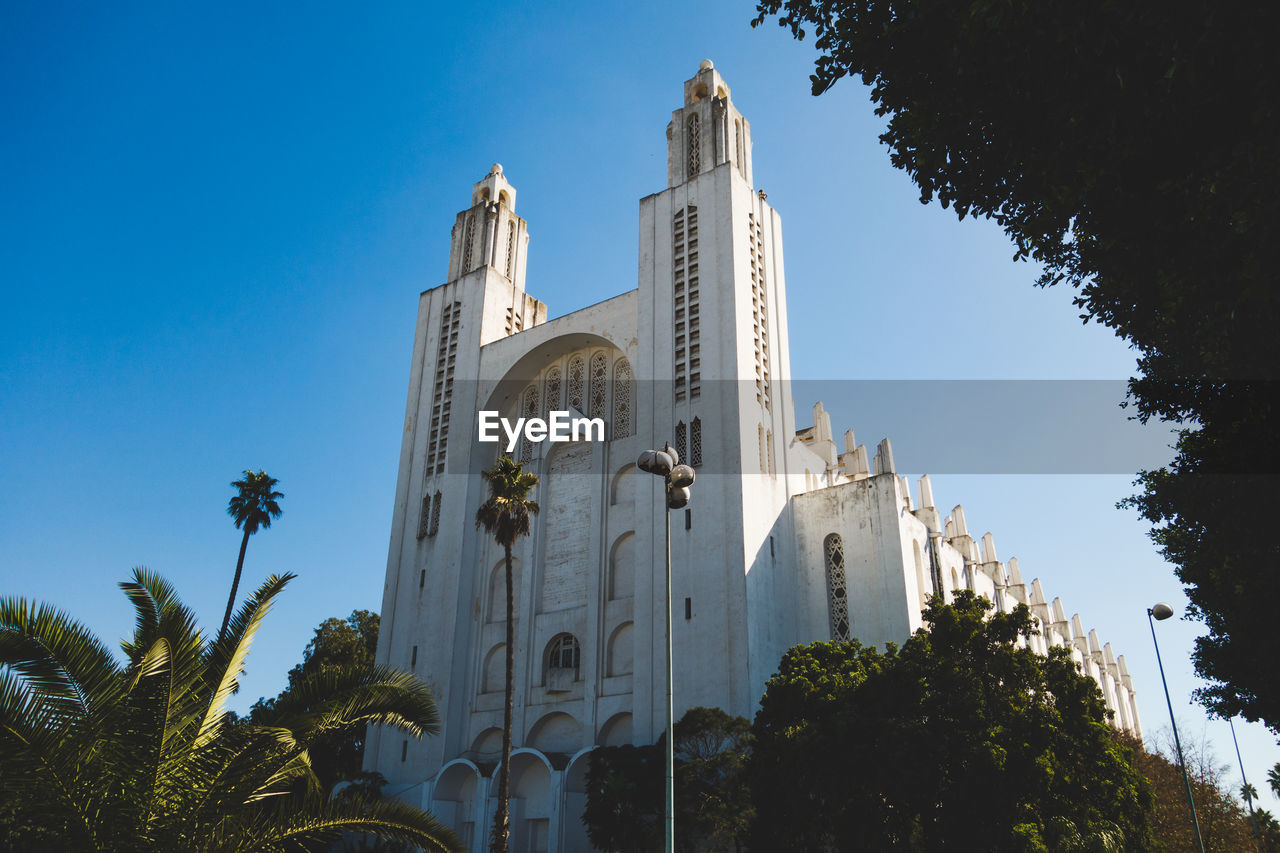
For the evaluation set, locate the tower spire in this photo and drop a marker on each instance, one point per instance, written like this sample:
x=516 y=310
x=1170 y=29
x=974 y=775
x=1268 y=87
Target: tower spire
x=489 y=233
x=707 y=131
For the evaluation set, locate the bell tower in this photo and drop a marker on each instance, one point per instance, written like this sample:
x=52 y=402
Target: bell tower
x=707 y=131
x=713 y=335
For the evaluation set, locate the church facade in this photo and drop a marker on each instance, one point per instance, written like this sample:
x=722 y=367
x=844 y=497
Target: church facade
x=789 y=538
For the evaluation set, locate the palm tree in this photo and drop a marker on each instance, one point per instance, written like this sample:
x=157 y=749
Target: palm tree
x=253 y=506
x=143 y=756
x=506 y=515
x=1273 y=780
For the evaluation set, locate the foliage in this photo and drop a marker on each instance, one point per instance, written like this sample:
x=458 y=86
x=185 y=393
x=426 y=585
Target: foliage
x=1269 y=829
x=963 y=739
x=1224 y=824
x=625 y=810
x=142 y=755
x=254 y=505
x=338 y=645
x=506 y=515
x=1273 y=780
x=1131 y=150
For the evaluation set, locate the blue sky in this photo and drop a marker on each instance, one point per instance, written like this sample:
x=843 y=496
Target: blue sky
x=217 y=221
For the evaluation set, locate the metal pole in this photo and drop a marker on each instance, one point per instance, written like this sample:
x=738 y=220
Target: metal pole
x=671 y=752
x=1257 y=834
x=1177 y=743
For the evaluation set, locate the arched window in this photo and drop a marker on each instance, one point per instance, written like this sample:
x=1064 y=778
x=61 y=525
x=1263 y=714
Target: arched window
x=468 y=238
x=693 y=137
x=764 y=463
x=577 y=383
x=551 y=396
x=695 y=442
x=511 y=247
x=737 y=135
x=682 y=442
x=599 y=373
x=833 y=548
x=528 y=409
x=768 y=439
x=564 y=656
x=621 y=398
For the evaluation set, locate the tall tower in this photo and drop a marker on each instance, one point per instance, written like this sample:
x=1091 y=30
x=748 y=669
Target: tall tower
x=714 y=340
x=483 y=300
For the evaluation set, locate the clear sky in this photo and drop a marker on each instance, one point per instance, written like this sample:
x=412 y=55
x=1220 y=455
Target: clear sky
x=217 y=220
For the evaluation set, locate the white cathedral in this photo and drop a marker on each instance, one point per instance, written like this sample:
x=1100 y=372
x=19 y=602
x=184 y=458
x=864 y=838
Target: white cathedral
x=788 y=539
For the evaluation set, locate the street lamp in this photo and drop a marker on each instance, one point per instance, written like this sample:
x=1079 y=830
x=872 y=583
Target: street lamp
x=1245 y=789
x=677 y=479
x=1162 y=612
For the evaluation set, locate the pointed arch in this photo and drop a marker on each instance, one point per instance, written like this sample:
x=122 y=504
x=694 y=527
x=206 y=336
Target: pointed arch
x=551 y=391
x=577 y=382
x=622 y=398
x=599 y=375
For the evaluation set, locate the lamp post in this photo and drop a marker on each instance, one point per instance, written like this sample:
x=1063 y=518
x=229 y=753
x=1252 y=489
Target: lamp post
x=1248 y=795
x=1162 y=612
x=677 y=479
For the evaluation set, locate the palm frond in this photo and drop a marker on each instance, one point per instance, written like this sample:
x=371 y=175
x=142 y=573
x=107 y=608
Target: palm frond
x=226 y=656
x=60 y=660
x=326 y=821
x=354 y=697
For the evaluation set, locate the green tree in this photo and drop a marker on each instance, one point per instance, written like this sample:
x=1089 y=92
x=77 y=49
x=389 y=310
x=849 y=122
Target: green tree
x=963 y=739
x=142 y=756
x=253 y=505
x=338 y=645
x=1269 y=829
x=1130 y=150
x=624 y=809
x=1224 y=825
x=505 y=515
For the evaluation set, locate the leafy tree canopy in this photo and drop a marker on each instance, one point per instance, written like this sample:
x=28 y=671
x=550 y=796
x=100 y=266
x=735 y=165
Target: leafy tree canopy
x=1130 y=148
x=1224 y=824
x=713 y=806
x=963 y=739
x=338 y=645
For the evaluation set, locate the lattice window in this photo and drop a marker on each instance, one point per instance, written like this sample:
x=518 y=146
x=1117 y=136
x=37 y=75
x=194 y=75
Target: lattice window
x=622 y=393
x=551 y=396
x=528 y=409
x=435 y=515
x=682 y=442
x=759 y=311
x=764 y=462
x=693 y=137
x=511 y=249
x=425 y=517
x=468 y=240
x=679 y=297
x=695 y=442
x=599 y=376
x=833 y=548
x=577 y=381
x=441 y=400
x=564 y=653
x=768 y=440
x=695 y=375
